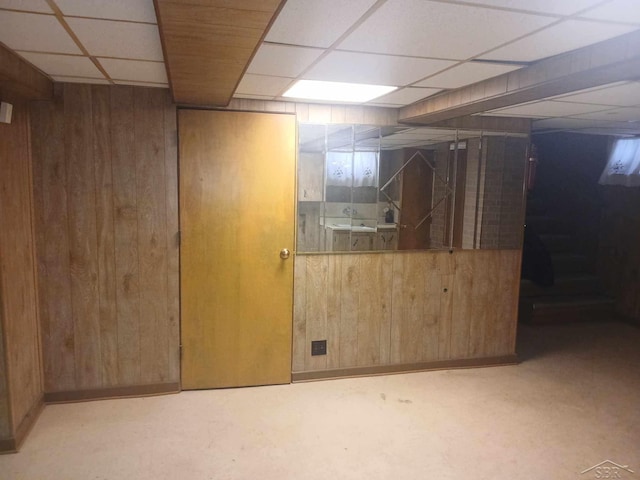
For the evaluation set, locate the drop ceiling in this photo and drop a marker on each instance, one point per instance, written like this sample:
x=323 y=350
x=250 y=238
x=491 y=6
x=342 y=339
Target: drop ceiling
x=423 y=47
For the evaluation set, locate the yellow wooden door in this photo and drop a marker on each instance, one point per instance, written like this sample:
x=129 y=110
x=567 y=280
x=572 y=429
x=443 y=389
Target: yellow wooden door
x=237 y=180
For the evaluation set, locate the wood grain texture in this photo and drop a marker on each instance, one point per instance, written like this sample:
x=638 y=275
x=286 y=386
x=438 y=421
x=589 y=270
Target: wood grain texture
x=81 y=208
x=152 y=233
x=405 y=308
x=105 y=170
x=125 y=201
x=208 y=45
x=105 y=236
x=6 y=425
x=173 y=240
x=237 y=208
x=20 y=78
x=21 y=372
x=54 y=275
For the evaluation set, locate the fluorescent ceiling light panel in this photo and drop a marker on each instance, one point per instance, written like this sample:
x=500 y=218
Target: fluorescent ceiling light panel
x=336 y=91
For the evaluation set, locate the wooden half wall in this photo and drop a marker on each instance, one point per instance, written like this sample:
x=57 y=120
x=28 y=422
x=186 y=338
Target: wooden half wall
x=405 y=310
x=105 y=183
x=20 y=364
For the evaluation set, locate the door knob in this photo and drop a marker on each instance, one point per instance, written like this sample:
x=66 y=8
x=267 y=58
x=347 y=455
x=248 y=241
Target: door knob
x=285 y=253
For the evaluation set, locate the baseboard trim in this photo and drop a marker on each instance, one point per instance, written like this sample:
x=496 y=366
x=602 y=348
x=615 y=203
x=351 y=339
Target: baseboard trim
x=403 y=368
x=28 y=422
x=13 y=444
x=113 y=392
x=8 y=445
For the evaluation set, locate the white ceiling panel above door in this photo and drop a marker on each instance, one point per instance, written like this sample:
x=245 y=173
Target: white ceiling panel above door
x=75 y=66
x=262 y=85
x=35 y=32
x=439 y=30
x=282 y=60
x=40 y=6
x=466 y=74
x=137 y=71
x=316 y=24
x=374 y=69
x=565 y=36
x=129 y=10
x=106 y=38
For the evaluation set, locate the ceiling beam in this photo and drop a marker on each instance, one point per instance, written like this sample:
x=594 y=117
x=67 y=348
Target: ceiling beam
x=19 y=77
x=208 y=45
x=610 y=61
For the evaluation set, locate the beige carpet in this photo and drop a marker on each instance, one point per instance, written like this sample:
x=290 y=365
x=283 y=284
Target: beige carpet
x=573 y=402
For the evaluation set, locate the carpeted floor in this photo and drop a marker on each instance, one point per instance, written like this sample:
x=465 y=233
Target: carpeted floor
x=572 y=403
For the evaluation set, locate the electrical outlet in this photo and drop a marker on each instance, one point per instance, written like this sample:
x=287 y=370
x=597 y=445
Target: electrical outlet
x=318 y=347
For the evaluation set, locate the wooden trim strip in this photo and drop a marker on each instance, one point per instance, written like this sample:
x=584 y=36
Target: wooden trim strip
x=13 y=444
x=115 y=392
x=20 y=77
x=404 y=368
x=28 y=422
x=8 y=445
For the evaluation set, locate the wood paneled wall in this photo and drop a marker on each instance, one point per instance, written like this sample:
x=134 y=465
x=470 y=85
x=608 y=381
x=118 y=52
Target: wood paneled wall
x=105 y=176
x=404 y=308
x=618 y=258
x=20 y=367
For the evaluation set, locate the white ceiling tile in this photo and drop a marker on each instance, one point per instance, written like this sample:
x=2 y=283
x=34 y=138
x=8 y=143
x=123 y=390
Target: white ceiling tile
x=465 y=74
x=40 y=6
x=623 y=95
x=620 y=114
x=73 y=66
x=554 y=7
x=617 y=11
x=35 y=32
x=548 y=108
x=563 y=37
x=316 y=24
x=142 y=84
x=262 y=85
x=374 y=69
x=283 y=61
x=405 y=96
x=131 y=10
x=97 y=81
x=105 y=38
x=440 y=30
x=134 y=70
